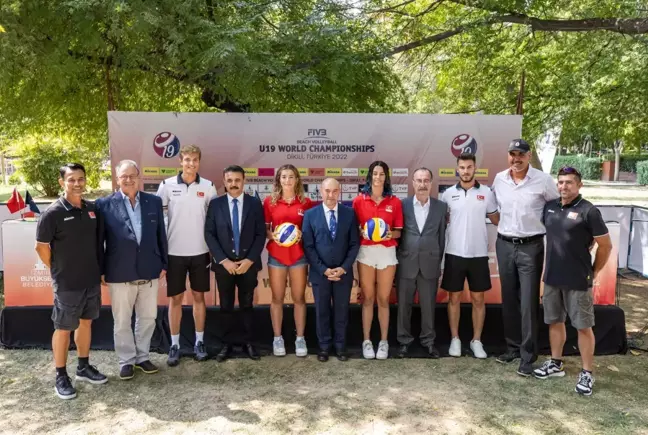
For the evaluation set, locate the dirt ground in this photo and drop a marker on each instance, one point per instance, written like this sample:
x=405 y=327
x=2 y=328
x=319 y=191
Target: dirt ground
x=290 y=395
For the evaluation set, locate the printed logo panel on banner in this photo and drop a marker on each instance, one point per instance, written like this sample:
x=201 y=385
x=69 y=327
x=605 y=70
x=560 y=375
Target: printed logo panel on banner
x=166 y=145
x=349 y=172
x=251 y=172
x=400 y=172
x=169 y=172
x=150 y=171
x=350 y=188
x=400 y=188
x=447 y=172
x=333 y=172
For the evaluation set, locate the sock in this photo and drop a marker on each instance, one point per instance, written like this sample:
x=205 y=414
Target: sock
x=175 y=340
x=61 y=371
x=83 y=362
x=558 y=362
x=300 y=338
x=200 y=336
x=589 y=372
x=277 y=338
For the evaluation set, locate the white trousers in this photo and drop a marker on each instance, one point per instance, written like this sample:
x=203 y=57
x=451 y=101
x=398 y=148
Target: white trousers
x=133 y=348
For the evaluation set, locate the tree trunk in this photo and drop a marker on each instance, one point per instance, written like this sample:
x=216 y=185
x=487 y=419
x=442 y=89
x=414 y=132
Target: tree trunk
x=618 y=147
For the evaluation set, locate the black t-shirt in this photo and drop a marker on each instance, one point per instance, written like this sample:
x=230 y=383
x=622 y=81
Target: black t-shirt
x=72 y=235
x=570 y=232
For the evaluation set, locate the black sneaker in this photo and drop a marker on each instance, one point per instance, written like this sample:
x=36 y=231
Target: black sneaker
x=200 y=353
x=525 y=369
x=90 y=374
x=585 y=383
x=549 y=369
x=64 y=388
x=174 y=356
x=147 y=367
x=126 y=372
x=507 y=357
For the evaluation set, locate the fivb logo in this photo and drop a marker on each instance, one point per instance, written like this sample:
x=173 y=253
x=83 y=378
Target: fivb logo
x=166 y=145
x=317 y=133
x=464 y=143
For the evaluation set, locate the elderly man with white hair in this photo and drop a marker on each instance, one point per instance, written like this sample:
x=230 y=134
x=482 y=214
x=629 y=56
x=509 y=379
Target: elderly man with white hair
x=133 y=256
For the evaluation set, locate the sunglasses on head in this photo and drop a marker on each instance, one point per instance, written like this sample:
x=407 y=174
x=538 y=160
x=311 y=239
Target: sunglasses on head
x=569 y=170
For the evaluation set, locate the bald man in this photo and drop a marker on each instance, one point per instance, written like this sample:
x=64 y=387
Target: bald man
x=331 y=244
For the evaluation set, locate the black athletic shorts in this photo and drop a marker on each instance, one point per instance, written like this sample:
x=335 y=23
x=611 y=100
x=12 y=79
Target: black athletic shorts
x=458 y=269
x=72 y=305
x=197 y=266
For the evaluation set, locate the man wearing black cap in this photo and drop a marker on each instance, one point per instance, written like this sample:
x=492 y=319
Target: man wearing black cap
x=521 y=192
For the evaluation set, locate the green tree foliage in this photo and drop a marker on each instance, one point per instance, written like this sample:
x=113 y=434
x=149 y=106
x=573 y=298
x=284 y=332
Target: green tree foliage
x=66 y=62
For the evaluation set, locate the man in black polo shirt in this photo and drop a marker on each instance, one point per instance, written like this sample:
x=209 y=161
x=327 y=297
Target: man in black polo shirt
x=572 y=224
x=66 y=242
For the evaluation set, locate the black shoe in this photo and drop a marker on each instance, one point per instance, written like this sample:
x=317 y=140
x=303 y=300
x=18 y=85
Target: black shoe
x=64 y=388
x=525 y=369
x=507 y=357
x=147 y=367
x=323 y=355
x=126 y=372
x=252 y=352
x=200 y=353
x=585 y=383
x=90 y=374
x=341 y=355
x=433 y=352
x=402 y=351
x=224 y=353
x=174 y=356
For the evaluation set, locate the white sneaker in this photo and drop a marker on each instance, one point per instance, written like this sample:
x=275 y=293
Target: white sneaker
x=383 y=350
x=455 y=347
x=300 y=347
x=478 y=349
x=368 y=350
x=278 y=348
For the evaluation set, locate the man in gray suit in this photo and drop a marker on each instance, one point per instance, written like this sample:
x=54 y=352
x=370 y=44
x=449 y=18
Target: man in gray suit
x=419 y=261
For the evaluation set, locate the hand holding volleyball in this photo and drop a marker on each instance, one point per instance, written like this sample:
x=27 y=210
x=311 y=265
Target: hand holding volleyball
x=376 y=230
x=286 y=234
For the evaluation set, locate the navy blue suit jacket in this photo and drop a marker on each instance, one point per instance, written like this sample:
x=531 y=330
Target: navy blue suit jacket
x=323 y=252
x=122 y=259
x=220 y=238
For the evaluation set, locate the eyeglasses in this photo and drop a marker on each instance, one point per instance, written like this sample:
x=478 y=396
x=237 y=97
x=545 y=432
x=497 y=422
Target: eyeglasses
x=128 y=177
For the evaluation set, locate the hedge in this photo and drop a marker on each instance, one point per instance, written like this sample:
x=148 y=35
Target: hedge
x=590 y=168
x=642 y=173
x=628 y=161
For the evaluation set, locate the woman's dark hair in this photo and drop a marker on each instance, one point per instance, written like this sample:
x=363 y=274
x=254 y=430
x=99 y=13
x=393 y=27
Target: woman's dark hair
x=387 y=190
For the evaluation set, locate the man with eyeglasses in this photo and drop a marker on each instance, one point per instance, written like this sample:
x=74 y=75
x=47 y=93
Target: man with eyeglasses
x=420 y=252
x=521 y=192
x=573 y=225
x=66 y=243
x=133 y=248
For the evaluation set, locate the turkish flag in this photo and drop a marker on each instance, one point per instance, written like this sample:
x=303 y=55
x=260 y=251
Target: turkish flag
x=16 y=202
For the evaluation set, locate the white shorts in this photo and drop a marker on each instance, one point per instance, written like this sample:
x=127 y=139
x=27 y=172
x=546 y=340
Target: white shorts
x=377 y=256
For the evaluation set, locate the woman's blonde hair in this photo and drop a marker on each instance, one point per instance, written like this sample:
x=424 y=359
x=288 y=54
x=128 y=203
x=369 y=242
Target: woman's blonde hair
x=276 y=189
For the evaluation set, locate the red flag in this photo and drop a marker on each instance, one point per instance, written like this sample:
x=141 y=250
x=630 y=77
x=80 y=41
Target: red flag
x=16 y=202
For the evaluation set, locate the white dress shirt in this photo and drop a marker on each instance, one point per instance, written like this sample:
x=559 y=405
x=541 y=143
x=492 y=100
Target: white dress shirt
x=240 y=209
x=327 y=213
x=520 y=205
x=421 y=212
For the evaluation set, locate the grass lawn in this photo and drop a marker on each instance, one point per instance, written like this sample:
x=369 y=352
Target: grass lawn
x=291 y=395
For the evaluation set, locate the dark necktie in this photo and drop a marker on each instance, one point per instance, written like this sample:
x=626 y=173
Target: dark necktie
x=332 y=224
x=235 y=226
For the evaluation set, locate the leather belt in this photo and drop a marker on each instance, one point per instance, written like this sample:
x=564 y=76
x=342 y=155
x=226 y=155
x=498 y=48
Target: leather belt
x=140 y=282
x=520 y=240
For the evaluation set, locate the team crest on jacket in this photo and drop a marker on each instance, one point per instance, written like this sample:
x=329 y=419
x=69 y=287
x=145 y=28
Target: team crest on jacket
x=389 y=209
x=300 y=212
x=201 y=194
x=481 y=197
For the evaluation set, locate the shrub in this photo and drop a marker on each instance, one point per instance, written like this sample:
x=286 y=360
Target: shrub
x=14 y=179
x=39 y=162
x=590 y=168
x=642 y=173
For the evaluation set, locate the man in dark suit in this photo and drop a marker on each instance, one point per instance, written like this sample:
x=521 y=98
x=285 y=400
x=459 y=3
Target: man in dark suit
x=134 y=257
x=331 y=245
x=235 y=234
x=419 y=261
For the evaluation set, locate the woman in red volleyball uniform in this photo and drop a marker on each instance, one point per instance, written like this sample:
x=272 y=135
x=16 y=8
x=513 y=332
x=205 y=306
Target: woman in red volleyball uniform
x=377 y=260
x=287 y=203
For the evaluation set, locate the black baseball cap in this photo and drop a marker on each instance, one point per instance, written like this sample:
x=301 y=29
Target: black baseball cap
x=519 y=145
